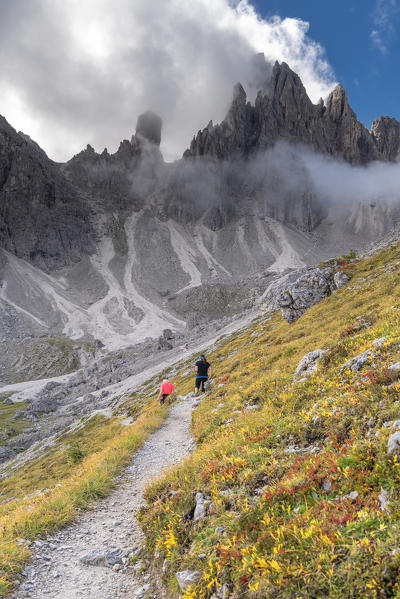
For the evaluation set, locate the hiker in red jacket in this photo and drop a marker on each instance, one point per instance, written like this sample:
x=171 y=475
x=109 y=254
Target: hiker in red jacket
x=166 y=389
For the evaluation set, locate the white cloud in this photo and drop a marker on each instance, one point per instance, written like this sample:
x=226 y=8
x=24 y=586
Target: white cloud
x=383 y=18
x=77 y=72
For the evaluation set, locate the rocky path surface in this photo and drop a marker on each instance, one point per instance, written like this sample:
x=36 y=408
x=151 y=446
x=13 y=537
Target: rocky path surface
x=88 y=560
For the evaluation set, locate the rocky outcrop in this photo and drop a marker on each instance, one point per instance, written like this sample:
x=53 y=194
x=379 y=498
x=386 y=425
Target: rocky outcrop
x=286 y=112
x=297 y=291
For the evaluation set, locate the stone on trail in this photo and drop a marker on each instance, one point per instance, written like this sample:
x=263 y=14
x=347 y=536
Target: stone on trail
x=104 y=557
x=186 y=578
x=141 y=592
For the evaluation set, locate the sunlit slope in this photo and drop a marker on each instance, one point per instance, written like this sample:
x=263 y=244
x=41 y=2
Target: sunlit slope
x=301 y=494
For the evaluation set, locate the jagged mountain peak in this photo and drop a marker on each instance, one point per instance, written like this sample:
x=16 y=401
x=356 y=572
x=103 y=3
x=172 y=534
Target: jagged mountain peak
x=337 y=105
x=286 y=111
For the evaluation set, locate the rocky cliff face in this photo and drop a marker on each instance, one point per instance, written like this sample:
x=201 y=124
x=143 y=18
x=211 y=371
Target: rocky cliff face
x=43 y=218
x=386 y=134
x=286 y=112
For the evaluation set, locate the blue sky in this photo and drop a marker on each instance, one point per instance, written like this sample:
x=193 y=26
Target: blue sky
x=362 y=46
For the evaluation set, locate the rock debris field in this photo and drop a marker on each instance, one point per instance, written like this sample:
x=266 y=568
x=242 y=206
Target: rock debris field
x=90 y=559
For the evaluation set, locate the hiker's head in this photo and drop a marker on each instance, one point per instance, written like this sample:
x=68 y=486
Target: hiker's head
x=165 y=381
x=203 y=358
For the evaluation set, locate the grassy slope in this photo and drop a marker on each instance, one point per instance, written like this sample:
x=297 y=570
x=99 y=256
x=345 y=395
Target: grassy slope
x=276 y=477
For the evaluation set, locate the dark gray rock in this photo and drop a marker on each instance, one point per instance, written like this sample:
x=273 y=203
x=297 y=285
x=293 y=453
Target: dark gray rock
x=6 y=454
x=23 y=441
x=42 y=405
x=340 y=279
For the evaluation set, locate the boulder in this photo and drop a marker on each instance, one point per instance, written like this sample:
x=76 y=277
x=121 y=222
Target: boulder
x=340 y=279
x=394 y=370
x=394 y=444
x=297 y=291
x=186 y=578
x=358 y=362
x=311 y=288
x=200 y=510
x=308 y=364
x=383 y=500
x=379 y=342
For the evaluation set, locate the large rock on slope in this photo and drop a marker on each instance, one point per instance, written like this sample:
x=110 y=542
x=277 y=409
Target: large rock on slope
x=297 y=291
x=286 y=112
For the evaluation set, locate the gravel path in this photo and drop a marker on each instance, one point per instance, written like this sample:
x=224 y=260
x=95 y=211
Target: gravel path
x=57 y=571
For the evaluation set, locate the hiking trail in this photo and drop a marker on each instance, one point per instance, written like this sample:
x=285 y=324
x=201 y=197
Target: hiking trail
x=57 y=572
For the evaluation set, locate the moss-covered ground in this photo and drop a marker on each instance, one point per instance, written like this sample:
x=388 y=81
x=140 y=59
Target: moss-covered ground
x=293 y=472
x=11 y=423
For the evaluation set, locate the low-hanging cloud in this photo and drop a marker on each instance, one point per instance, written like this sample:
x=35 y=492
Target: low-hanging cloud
x=289 y=182
x=75 y=72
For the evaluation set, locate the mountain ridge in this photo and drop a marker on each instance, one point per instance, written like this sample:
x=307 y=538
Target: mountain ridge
x=285 y=110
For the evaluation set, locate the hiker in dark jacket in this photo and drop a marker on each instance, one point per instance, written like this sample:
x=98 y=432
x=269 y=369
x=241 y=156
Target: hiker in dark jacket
x=202 y=368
